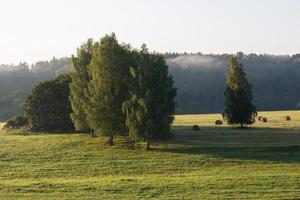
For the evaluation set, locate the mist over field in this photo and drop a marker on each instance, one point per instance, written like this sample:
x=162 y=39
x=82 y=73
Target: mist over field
x=199 y=78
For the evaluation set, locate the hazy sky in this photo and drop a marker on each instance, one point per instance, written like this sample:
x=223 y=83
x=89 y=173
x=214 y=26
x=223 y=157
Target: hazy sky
x=35 y=30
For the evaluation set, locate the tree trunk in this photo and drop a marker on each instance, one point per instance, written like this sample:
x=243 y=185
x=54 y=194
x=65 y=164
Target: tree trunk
x=148 y=144
x=242 y=125
x=93 y=134
x=110 y=141
x=148 y=141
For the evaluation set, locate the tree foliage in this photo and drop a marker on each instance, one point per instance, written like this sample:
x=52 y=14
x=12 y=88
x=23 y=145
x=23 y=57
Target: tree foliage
x=48 y=108
x=150 y=109
x=238 y=96
x=108 y=86
x=78 y=87
x=116 y=90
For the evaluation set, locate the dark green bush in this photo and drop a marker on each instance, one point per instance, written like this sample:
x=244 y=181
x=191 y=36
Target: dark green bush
x=16 y=122
x=48 y=107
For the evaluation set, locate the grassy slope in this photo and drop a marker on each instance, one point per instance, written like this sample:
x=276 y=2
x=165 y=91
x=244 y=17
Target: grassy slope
x=215 y=163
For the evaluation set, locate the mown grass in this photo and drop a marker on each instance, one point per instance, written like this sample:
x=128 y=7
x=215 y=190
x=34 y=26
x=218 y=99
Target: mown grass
x=275 y=120
x=262 y=162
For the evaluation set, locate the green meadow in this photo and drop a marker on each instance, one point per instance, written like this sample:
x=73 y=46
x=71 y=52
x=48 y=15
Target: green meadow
x=217 y=162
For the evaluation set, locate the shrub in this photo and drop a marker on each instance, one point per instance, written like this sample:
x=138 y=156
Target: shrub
x=48 y=107
x=16 y=122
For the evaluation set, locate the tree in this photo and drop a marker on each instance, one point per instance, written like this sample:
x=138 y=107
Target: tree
x=149 y=111
x=108 y=87
x=48 y=108
x=238 y=96
x=78 y=87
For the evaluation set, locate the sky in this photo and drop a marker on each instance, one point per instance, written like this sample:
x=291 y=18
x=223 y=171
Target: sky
x=34 y=30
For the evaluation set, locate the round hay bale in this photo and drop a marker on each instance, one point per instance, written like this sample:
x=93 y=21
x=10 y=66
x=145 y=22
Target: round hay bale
x=195 y=128
x=265 y=119
x=218 y=122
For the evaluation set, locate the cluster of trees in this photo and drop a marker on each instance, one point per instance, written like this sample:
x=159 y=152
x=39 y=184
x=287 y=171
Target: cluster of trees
x=112 y=90
x=116 y=90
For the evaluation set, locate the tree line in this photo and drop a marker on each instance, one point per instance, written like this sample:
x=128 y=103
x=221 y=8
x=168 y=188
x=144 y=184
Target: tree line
x=199 y=79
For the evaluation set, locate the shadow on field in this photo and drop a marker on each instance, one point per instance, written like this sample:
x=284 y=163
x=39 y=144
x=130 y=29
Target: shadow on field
x=288 y=154
x=260 y=144
x=23 y=132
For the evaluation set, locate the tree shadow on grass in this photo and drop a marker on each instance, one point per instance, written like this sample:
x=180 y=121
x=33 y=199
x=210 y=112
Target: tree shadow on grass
x=259 y=144
x=287 y=154
x=24 y=132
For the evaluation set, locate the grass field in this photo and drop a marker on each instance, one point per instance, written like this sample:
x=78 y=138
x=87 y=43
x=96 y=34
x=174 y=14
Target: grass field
x=262 y=162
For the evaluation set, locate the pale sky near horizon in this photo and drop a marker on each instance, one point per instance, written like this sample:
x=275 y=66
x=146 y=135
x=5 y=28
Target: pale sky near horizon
x=34 y=30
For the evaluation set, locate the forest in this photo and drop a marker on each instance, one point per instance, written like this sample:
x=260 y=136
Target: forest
x=199 y=79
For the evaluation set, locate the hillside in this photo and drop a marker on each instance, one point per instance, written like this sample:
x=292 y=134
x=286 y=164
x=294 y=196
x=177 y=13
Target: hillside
x=214 y=163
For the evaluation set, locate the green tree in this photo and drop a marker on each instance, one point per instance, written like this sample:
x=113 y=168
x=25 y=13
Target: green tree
x=149 y=111
x=108 y=87
x=78 y=87
x=48 y=107
x=238 y=96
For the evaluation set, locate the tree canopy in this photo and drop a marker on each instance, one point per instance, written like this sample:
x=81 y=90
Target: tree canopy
x=150 y=109
x=108 y=87
x=79 y=84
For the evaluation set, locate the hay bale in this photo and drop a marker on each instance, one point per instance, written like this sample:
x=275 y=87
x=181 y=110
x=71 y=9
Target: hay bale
x=264 y=119
x=260 y=118
x=218 y=122
x=195 y=128
x=288 y=118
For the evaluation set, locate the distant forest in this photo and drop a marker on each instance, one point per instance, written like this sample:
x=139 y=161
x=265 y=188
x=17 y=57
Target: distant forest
x=199 y=78
x=16 y=82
